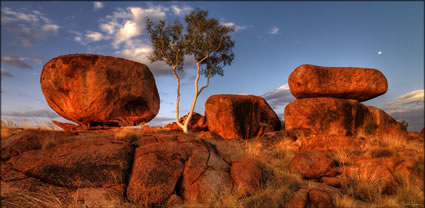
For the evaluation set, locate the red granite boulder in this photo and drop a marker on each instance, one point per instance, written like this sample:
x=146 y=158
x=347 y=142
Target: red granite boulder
x=94 y=90
x=247 y=175
x=314 y=164
x=240 y=116
x=308 y=81
x=327 y=116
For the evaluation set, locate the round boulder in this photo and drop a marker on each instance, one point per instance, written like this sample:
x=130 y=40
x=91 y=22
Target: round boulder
x=94 y=90
x=308 y=81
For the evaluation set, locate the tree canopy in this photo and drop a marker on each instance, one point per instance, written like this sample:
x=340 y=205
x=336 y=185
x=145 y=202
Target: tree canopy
x=205 y=39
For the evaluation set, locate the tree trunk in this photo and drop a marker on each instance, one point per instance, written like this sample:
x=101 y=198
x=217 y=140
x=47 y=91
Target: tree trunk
x=195 y=97
x=178 y=99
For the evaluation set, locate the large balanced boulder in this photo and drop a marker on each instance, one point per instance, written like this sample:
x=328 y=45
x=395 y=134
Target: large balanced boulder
x=240 y=116
x=94 y=90
x=361 y=84
x=327 y=116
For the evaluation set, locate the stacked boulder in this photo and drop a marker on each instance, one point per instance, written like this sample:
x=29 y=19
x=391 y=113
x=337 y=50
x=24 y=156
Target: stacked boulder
x=328 y=102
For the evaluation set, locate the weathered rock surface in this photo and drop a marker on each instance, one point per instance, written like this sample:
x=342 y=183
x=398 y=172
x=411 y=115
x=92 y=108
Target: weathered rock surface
x=314 y=164
x=239 y=116
x=193 y=169
x=66 y=126
x=308 y=81
x=299 y=199
x=78 y=164
x=334 y=143
x=320 y=199
x=197 y=123
x=331 y=181
x=94 y=90
x=327 y=116
x=32 y=140
x=247 y=175
x=59 y=169
x=422 y=133
x=387 y=127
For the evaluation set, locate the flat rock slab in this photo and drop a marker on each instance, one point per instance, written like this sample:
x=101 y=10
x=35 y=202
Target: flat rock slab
x=96 y=90
x=361 y=84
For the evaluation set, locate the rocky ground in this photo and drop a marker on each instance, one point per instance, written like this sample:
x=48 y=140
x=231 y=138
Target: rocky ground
x=135 y=168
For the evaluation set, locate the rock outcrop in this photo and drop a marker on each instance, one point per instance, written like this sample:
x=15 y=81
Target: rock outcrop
x=240 y=116
x=361 y=84
x=94 y=90
x=328 y=103
x=193 y=169
x=99 y=170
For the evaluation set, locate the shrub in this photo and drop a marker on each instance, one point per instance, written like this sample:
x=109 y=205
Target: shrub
x=370 y=128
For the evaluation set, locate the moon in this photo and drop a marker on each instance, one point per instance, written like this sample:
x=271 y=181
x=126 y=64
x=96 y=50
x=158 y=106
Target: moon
x=379 y=52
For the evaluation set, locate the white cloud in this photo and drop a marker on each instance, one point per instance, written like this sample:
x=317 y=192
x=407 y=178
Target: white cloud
x=135 y=22
x=181 y=11
x=94 y=36
x=125 y=28
x=278 y=98
x=274 y=30
x=50 y=28
x=29 y=26
x=20 y=61
x=406 y=102
x=98 y=5
x=234 y=26
x=139 y=51
x=408 y=107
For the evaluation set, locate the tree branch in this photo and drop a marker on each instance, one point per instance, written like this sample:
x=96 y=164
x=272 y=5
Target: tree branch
x=207 y=84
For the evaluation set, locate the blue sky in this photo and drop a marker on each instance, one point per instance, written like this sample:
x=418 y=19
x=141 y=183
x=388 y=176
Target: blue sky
x=272 y=39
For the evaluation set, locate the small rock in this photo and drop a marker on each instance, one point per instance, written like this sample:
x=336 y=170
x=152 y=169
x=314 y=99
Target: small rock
x=314 y=164
x=331 y=181
x=320 y=199
x=246 y=174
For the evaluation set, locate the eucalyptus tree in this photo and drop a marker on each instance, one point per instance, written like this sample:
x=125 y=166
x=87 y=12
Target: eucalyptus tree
x=205 y=39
